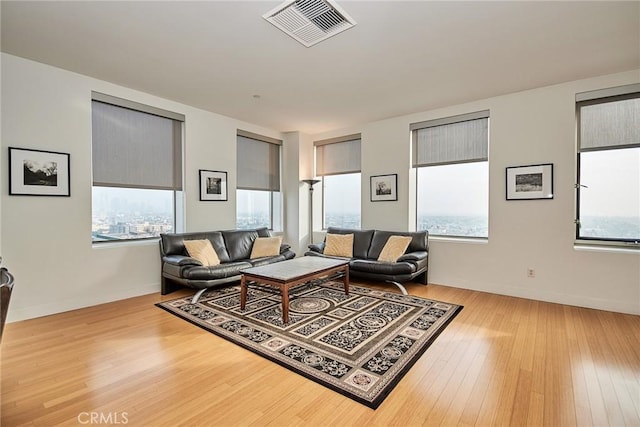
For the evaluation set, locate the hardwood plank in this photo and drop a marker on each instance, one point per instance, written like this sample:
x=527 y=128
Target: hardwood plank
x=502 y=361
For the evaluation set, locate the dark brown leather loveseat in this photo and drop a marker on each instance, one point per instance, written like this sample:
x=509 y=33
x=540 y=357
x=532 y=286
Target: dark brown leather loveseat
x=367 y=246
x=233 y=248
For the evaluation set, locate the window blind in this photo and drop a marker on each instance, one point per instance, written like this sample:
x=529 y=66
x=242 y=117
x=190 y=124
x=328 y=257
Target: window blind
x=258 y=164
x=135 y=149
x=612 y=122
x=457 y=139
x=338 y=155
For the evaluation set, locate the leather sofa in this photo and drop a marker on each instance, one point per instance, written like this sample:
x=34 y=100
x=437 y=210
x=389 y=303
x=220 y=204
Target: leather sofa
x=367 y=246
x=233 y=248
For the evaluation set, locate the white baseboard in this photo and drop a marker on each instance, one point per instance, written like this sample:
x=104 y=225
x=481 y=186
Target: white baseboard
x=627 y=307
x=17 y=314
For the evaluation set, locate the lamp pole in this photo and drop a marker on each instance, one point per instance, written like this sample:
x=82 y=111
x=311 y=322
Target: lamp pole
x=311 y=183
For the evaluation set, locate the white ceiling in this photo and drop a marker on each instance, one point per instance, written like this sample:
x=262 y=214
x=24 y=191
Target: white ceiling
x=401 y=57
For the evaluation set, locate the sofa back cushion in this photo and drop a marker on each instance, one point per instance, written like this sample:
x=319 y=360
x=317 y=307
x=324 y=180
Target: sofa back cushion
x=239 y=243
x=361 y=240
x=173 y=244
x=379 y=239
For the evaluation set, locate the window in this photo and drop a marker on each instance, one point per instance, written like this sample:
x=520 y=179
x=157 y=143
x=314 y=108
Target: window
x=258 y=198
x=137 y=170
x=451 y=157
x=608 y=190
x=338 y=164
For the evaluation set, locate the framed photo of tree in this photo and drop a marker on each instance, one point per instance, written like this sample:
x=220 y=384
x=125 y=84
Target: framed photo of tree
x=384 y=188
x=38 y=173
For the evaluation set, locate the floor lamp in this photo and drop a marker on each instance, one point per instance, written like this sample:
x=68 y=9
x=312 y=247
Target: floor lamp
x=311 y=183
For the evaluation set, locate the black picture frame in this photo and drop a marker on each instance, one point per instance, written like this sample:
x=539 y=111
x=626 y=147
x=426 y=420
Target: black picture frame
x=39 y=173
x=530 y=182
x=213 y=186
x=384 y=188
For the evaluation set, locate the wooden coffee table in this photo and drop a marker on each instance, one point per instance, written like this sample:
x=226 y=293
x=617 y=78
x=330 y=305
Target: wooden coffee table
x=287 y=274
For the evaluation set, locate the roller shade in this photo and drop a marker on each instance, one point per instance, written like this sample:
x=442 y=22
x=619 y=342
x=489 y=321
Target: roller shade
x=607 y=123
x=338 y=156
x=258 y=164
x=135 y=149
x=456 y=139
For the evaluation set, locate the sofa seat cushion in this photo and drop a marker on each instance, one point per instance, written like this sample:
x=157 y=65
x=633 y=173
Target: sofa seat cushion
x=257 y=262
x=377 y=267
x=217 y=272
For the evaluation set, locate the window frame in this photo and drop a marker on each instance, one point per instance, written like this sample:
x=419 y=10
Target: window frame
x=414 y=128
x=177 y=192
x=345 y=169
x=597 y=97
x=273 y=212
x=324 y=224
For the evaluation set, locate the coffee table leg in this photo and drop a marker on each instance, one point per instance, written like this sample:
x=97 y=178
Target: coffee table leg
x=285 y=304
x=243 y=292
x=345 y=280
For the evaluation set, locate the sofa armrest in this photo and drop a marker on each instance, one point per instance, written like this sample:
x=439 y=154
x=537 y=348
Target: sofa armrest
x=414 y=256
x=180 y=260
x=284 y=248
x=317 y=247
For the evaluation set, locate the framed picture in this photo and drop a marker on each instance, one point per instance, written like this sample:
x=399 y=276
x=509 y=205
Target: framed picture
x=384 y=188
x=213 y=185
x=38 y=173
x=530 y=182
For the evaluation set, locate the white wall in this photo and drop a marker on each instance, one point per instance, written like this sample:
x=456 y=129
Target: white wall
x=46 y=241
x=531 y=127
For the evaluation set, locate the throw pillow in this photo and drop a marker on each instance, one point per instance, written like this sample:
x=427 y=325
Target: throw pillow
x=339 y=245
x=203 y=251
x=266 y=246
x=394 y=248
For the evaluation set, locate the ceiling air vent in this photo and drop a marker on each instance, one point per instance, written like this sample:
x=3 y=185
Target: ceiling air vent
x=310 y=21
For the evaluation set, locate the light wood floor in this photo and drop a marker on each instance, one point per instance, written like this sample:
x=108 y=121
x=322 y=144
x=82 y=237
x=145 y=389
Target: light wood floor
x=502 y=361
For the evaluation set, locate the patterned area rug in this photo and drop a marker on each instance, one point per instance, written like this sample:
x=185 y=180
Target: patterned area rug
x=359 y=345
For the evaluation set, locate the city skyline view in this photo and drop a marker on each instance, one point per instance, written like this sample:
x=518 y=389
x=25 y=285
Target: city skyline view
x=121 y=213
x=130 y=213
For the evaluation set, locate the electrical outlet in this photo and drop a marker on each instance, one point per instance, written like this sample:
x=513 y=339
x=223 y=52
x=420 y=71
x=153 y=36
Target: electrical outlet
x=531 y=272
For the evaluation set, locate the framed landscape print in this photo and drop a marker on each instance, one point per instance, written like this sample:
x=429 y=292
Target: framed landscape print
x=530 y=182
x=38 y=173
x=384 y=188
x=213 y=185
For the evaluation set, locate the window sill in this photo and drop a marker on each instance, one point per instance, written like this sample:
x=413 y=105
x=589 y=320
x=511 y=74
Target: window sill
x=471 y=240
x=604 y=247
x=121 y=243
